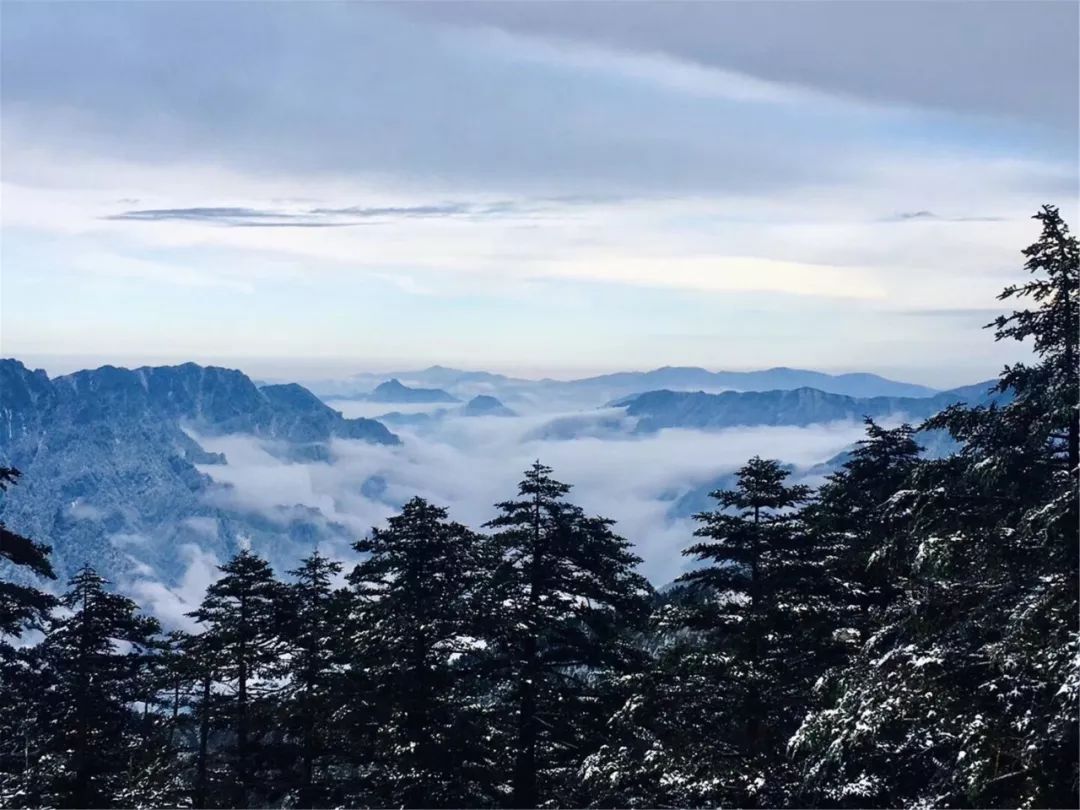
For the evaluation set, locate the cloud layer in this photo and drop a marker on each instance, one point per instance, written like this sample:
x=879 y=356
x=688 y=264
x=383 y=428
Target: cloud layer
x=469 y=464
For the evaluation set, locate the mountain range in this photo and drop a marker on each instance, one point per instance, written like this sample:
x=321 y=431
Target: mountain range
x=115 y=470
x=596 y=390
x=655 y=410
x=110 y=461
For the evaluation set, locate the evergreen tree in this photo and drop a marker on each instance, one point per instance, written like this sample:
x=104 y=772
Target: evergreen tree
x=568 y=596
x=22 y=607
x=241 y=617
x=314 y=659
x=418 y=626
x=967 y=693
x=863 y=538
x=664 y=744
x=758 y=617
x=172 y=685
x=95 y=659
x=208 y=711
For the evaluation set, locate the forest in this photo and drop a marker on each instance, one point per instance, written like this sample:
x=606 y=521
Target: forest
x=904 y=635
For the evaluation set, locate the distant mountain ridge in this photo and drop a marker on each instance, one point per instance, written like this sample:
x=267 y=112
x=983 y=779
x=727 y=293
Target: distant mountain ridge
x=394 y=391
x=480 y=405
x=110 y=461
x=779 y=378
x=114 y=471
x=596 y=390
x=485 y=405
x=655 y=410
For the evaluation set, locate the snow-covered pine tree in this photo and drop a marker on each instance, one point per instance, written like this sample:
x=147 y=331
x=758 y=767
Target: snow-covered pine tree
x=22 y=607
x=196 y=666
x=664 y=744
x=314 y=659
x=95 y=658
x=417 y=625
x=241 y=620
x=757 y=613
x=863 y=539
x=967 y=693
x=568 y=597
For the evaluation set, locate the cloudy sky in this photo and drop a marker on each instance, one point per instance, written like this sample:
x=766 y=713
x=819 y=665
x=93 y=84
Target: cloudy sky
x=536 y=188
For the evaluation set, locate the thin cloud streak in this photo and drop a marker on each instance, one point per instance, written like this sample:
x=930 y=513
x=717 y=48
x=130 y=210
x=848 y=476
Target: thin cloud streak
x=331 y=217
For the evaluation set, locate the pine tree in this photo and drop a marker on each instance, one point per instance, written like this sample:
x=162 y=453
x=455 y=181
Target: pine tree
x=664 y=744
x=197 y=671
x=756 y=614
x=1046 y=394
x=967 y=692
x=168 y=725
x=569 y=594
x=314 y=634
x=96 y=661
x=241 y=617
x=852 y=522
x=418 y=627
x=22 y=607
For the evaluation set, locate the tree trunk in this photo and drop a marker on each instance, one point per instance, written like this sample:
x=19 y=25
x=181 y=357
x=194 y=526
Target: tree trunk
x=525 y=789
x=525 y=792
x=204 y=737
x=753 y=697
x=241 y=710
x=81 y=788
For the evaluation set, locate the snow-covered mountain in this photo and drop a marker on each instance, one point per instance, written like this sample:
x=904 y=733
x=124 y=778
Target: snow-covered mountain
x=142 y=471
x=111 y=462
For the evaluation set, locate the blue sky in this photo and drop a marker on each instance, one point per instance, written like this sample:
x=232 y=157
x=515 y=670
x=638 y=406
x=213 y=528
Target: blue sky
x=545 y=188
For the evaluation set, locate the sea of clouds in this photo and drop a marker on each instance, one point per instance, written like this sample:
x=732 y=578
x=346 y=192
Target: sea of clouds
x=468 y=464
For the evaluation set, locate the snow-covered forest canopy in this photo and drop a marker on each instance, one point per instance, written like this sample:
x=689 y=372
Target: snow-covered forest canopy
x=904 y=635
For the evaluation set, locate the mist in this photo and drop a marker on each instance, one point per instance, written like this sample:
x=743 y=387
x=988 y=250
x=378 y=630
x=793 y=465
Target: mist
x=469 y=464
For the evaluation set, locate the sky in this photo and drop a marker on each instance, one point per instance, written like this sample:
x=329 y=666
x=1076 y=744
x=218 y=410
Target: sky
x=534 y=188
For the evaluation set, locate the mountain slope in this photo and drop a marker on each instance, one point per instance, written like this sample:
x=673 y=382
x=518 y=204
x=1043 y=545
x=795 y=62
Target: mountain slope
x=394 y=391
x=483 y=405
x=655 y=410
x=110 y=461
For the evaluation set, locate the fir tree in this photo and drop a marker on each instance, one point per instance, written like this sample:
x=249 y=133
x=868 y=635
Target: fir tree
x=418 y=626
x=198 y=672
x=568 y=596
x=314 y=658
x=22 y=606
x=967 y=692
x=756 y=615
x=96 y=661
x=852 y=522
x=241 y=616
x=664 y=744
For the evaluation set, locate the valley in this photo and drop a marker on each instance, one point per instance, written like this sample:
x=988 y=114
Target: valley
x=158 y=474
